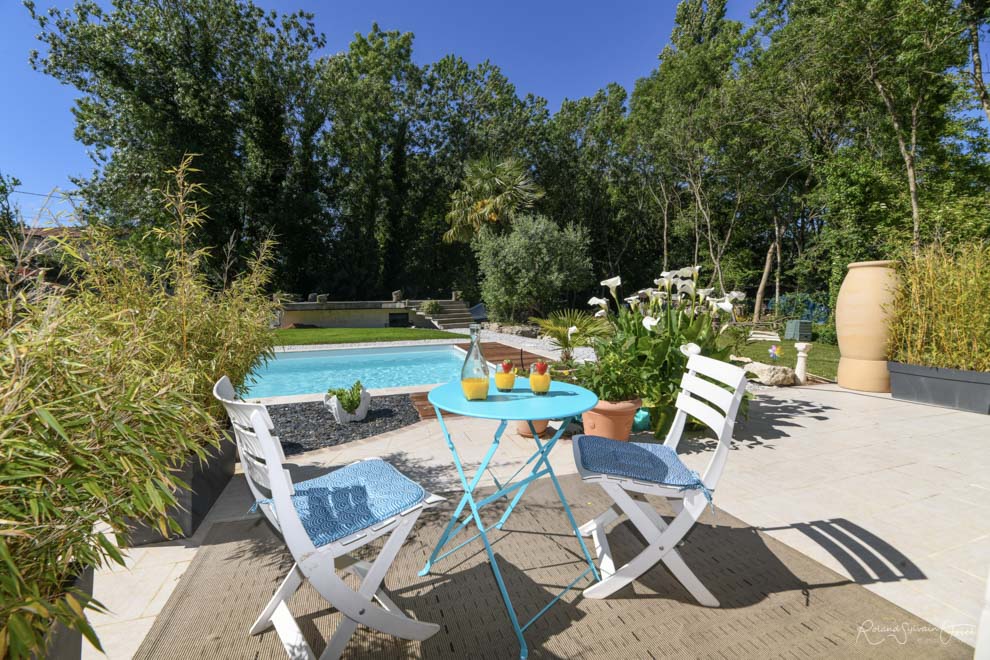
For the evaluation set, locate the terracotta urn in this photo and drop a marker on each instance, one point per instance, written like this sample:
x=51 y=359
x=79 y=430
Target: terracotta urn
x=522 y=427
x=611 y=419
x=862 y=324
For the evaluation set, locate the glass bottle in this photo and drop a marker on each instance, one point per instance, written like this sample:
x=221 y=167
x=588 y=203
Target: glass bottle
x=474 y=373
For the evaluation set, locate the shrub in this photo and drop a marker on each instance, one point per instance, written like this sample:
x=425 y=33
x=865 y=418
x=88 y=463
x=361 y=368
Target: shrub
x=430 y=307
x=824 y=333
x=811 y=307
x=349 y=397
x=940 y=313
x=526 y=272
x=105 y=390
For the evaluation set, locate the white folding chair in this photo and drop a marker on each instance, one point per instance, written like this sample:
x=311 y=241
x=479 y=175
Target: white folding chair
x=322 y=520
x=251 y=455
x=711 y=392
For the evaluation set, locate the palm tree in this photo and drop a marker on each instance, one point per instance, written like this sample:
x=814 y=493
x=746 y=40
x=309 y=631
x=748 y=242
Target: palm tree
x=569 y=328
x=492 y=191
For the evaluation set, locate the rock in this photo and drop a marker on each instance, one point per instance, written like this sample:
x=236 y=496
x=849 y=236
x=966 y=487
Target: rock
x=771 y=374
x=529 y=331
x=322 y=298
x=311 y=298
x=740 y=359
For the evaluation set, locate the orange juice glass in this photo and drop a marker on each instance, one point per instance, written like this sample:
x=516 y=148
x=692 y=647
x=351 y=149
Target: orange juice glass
x=505 y=377
x=539 y=378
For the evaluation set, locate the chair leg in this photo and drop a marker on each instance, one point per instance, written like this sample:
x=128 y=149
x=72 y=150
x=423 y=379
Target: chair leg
x=662 y=540
x=284 y=592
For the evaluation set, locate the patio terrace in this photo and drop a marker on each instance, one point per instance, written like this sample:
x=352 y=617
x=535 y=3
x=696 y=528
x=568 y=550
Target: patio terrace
x=889 y=495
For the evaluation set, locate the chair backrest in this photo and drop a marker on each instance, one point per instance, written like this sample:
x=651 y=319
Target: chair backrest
x=282 y=512
x=248 y=447
x=711 y=392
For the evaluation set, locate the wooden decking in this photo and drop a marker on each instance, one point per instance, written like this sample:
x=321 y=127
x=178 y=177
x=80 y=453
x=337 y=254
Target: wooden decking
x=494 y=352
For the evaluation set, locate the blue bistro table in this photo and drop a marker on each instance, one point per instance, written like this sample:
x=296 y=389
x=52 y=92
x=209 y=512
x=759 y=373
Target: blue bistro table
x=564 y=402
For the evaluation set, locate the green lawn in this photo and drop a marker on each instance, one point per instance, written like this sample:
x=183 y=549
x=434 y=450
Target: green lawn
x=823 y=359
x=301 y=336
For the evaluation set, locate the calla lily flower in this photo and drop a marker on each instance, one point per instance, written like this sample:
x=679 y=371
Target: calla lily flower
x=690 y=349
x=632 y=299
x=724 y=305
x=704 y=293
x=658 y=294
x=600 y=313
x=736 y=295
x=687 y=287
x=689 y=271
x=571 y=330
x=649 y=322
x=612 y=283
x=600 y=302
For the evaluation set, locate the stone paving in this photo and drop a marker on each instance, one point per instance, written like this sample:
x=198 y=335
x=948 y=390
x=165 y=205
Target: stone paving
x=892 y=494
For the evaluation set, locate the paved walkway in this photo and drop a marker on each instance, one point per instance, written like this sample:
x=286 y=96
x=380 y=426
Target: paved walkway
x=894 y=495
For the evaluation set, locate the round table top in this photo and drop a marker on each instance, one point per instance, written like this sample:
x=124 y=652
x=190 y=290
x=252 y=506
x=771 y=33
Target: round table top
x=563 y=400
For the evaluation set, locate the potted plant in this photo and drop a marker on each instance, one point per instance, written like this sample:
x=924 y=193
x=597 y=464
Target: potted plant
x=939 y=345
x=613 y=377
x=348 y=404
x=644 y=352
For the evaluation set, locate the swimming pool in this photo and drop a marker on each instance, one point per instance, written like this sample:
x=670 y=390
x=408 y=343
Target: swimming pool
x=313 y=372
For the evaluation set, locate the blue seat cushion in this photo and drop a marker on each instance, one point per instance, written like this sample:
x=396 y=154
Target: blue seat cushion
x=352 y=498
x=653 y=463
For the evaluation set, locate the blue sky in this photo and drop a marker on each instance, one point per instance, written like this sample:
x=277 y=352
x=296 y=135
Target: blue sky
x=552 y=48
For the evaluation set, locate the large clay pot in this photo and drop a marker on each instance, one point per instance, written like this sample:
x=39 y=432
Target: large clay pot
x=522 y=427
x=862 y=323
x=611 y=419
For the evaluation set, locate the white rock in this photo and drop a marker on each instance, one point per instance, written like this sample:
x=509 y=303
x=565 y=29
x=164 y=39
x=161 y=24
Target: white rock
x=771 y=374
x=740 y=359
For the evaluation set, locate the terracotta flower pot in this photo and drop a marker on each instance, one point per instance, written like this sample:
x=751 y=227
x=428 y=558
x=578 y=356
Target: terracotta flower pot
x=522 y=428
x=611 y=419
x=862 y=323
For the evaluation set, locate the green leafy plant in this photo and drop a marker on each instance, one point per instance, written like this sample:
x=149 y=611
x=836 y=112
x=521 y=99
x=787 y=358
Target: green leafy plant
x=940 y=313
x=105 y=391
x=569 y=328
x=430 y=307
x=650 y=328
x=349 y=397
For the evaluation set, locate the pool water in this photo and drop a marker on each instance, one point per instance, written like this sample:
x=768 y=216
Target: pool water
x=313 y=372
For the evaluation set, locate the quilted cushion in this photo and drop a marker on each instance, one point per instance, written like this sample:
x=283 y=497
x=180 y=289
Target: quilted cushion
x=352 y=498
x=650 y=462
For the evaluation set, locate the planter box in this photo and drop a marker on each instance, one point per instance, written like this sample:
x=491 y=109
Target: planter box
x=66 y=643
x=206 y=481
x=953 y=388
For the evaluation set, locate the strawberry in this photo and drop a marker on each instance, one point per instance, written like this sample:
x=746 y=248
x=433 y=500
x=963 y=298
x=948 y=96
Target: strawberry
x=506 y=366
x=541 y=367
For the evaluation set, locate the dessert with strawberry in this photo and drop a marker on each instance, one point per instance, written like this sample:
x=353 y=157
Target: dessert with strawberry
x=505 y=376
x=539 y=377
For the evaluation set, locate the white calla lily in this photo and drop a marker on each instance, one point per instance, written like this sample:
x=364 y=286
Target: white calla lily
x=724 y=305
x=736 y=295
x=599 y=302
x=649 y=322
x=600 y=313
x=632 y=299
x=689 y=271
x=612 y=283
x=686 y=286
x=571 y=330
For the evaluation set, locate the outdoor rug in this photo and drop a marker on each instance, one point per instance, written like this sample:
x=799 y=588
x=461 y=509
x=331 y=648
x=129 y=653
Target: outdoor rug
x=775 y=602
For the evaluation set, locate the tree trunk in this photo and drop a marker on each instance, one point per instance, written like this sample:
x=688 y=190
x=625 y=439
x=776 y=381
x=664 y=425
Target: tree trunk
x=778 y=239
x=758 y=304
x=978 y=83
x=907 y=154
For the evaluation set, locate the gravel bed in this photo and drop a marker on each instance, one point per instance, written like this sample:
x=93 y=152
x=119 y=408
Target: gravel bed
x=307 y=426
